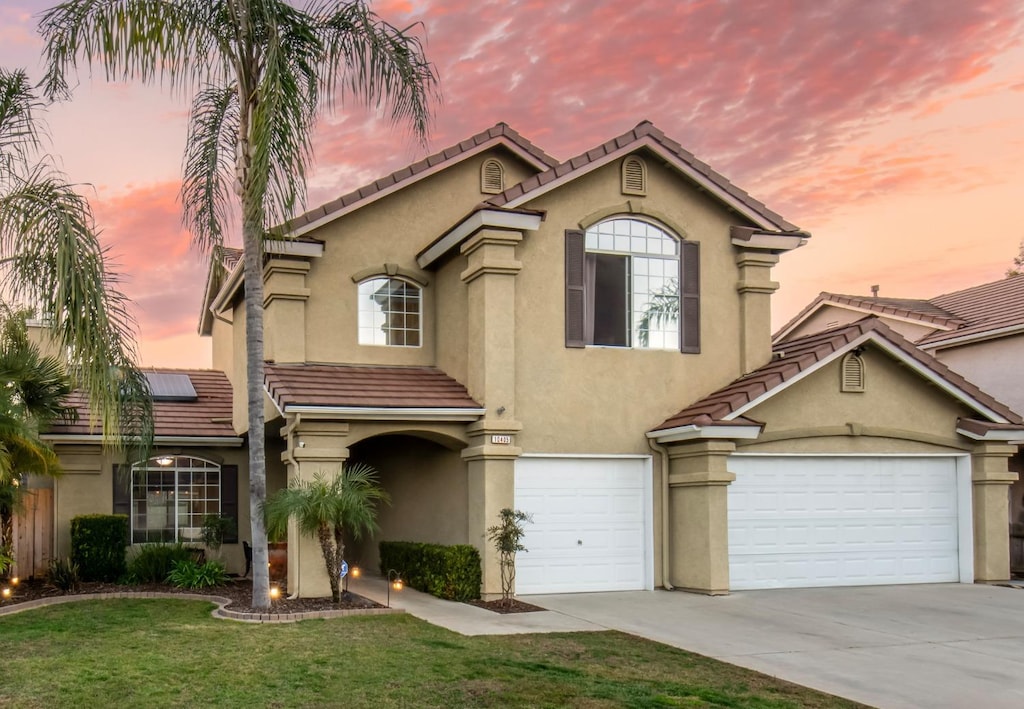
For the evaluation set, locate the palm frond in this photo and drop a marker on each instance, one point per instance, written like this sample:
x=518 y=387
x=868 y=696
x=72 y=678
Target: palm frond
x=376 y=62
x=209 y=164
x=19 y=131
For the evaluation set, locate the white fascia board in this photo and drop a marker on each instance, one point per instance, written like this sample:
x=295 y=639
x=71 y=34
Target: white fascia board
x=292 y=247
x=648 y=142
x=942 y=383
x=227 y=290
x=391 y=189
x=222 y=441
x=693 y=432
x=974 y=337
x=994 y=435
x=494 y=218
x=387 y=413
x=771 y=242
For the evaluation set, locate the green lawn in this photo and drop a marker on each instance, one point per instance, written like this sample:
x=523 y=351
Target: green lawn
x=156 y=653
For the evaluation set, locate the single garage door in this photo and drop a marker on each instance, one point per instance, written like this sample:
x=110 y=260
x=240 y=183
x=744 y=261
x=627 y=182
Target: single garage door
x=591 y=528
x=844 y=521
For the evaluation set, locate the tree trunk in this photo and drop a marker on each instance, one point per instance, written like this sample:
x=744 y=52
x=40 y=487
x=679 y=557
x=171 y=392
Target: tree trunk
x=252 y=234
x=331 y=561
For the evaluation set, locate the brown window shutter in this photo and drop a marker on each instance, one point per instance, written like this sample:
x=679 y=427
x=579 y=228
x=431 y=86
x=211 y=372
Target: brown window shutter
x=123 y=490
x=575 y=257
x=229 y=499
x=689 y=297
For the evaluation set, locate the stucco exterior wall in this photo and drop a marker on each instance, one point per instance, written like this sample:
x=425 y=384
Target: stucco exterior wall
x=993 y=365
x=602 y=399
x=87 y=487
x=898 y=412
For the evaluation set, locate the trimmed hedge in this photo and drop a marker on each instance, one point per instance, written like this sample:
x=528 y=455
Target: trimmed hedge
x=98 y=546
x=449 y=572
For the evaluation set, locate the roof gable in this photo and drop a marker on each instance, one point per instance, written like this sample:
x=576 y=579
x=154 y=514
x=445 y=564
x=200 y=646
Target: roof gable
x=646 y=135
x=795 y=359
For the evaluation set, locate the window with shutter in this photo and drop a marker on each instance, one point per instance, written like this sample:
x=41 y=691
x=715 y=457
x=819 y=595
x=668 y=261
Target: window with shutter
x=634 y=176
x=631 y=283
x=492 y=177
x=170 y=496
x=852 y=377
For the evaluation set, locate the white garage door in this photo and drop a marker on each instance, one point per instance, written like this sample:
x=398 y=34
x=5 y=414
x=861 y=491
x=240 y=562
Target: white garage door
x=590 y=530
x=845 y=521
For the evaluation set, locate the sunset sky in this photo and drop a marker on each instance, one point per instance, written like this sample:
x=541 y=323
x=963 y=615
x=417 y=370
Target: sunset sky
x=892 y=131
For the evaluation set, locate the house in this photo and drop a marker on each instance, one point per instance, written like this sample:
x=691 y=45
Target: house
x=588 y=341
x=977 y=331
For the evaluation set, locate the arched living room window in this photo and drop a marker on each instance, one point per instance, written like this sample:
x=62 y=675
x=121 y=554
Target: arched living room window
x=171 y=495
x=390 y=312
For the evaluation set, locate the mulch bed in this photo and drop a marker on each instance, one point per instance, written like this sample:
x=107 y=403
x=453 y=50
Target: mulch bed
x=239 y=591
x=500 y=606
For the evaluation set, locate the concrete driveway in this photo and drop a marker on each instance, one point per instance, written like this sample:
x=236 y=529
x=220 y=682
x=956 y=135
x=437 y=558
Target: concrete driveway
x=944 y=645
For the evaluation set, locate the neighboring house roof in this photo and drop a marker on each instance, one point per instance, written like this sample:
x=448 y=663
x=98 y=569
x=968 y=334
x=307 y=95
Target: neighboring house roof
x=797 y=358
x=500 y=134
x=345 y=386
x=988 y=309
x=645 y=134
x=975 y=313
x=209 y=416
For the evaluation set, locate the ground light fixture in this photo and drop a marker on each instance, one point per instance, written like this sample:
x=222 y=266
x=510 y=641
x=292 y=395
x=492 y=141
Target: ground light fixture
x=275 y=593
x=353 y=571
x=394 y=582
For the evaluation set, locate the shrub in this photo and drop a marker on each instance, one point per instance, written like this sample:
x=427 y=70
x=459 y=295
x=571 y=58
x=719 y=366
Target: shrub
x=507 y=536
x=98 y=546
x=450 y=572
x=152 y=563
x=189 y=574
x=215 y=530
x=63 y=575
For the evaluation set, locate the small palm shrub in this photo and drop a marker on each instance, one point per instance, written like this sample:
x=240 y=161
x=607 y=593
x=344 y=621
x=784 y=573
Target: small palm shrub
x=152 y=563
x=190 y=574
x=63 y=574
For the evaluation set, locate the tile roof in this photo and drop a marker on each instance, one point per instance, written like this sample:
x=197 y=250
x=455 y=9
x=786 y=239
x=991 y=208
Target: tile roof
x=984 y=308
x=228 y=256
x=500 y=133
x=795 y=356
x=364 y=386
x=208 y=416
x=912 y=308
x=642 y=131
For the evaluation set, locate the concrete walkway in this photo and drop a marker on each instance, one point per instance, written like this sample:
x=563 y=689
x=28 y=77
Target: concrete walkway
x=944 y=645
x=466 y=619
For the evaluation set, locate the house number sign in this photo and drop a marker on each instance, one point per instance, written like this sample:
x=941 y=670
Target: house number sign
x=501 y=439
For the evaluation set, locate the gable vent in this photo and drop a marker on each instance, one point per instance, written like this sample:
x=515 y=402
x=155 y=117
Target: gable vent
x=634 y=176
x=852 y=373
x=492 y=177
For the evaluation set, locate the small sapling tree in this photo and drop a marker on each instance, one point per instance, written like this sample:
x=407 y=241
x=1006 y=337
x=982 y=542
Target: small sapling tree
x=507 y=536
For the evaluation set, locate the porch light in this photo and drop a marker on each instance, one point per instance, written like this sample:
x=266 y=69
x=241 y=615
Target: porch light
x=164 y=461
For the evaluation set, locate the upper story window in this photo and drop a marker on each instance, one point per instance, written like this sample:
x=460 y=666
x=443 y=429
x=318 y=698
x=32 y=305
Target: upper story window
x=630 y=283
x=390 y=312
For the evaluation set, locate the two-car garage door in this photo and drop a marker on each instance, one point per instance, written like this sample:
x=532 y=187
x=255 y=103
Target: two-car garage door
x=797 y=521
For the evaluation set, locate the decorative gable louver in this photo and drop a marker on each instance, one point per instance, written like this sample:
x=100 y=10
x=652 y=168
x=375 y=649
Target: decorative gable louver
x=852 y=376
x=492 y=177
x=634 y=176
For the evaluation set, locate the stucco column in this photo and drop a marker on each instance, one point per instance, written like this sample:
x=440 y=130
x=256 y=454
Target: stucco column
x=755 y=287
x=491 y=268
x=991 y=479
x=698 y=515
x=312 y=447
x=284 y=301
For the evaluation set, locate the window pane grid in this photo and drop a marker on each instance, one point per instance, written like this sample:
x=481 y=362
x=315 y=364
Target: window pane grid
x=169 y=502
x=390 y=313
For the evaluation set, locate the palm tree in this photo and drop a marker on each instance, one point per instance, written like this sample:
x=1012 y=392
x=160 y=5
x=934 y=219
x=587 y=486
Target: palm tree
x=260 y=71
x=33 y=392
x=51 y=259
x=663 y=308
x=329 y=508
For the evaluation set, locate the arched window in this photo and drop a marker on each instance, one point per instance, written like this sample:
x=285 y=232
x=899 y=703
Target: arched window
x=492 y=177
x=390 y=312
x=171 y=496
x=631 y=283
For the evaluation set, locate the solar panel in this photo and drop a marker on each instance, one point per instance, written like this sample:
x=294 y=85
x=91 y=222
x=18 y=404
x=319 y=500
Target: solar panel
x=171 y=387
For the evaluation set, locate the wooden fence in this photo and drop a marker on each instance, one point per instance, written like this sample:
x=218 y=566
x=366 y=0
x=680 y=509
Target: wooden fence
x=33 y=534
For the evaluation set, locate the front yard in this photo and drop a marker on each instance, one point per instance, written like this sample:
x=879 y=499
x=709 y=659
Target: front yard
x=157 y=653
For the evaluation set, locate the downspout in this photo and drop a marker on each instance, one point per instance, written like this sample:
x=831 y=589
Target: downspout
x=665 y=536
